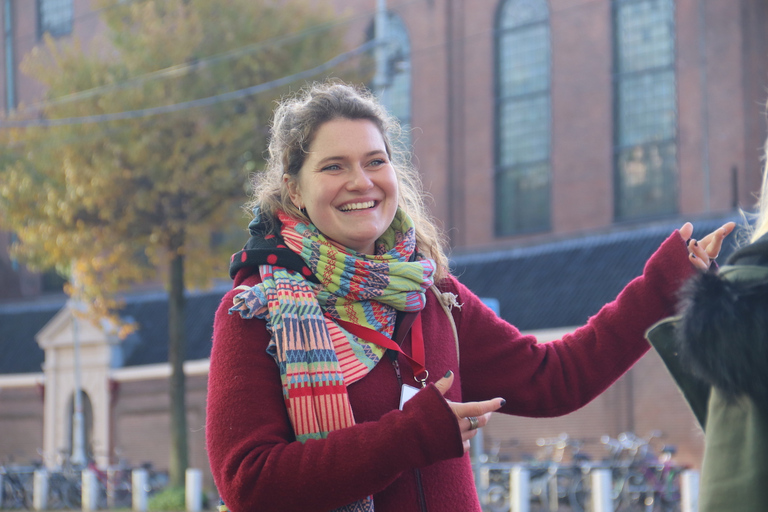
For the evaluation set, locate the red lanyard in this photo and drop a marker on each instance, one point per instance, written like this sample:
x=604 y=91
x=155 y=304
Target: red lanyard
x=417 y=359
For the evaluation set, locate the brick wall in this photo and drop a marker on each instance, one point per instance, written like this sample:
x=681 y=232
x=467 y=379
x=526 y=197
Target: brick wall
x=141 y=428
x=21 y=424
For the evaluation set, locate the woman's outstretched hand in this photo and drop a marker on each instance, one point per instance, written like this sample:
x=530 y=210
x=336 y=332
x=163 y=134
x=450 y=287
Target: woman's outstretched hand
x=702 y=252
x=470 y=415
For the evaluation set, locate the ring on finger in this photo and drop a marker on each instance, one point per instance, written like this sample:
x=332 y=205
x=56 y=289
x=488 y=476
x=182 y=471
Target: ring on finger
x=473 y=422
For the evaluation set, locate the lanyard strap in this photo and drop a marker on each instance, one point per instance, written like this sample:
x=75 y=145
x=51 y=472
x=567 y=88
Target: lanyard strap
x=417 y=359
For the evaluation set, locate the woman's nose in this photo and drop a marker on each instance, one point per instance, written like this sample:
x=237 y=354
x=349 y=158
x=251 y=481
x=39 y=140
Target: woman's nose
x=359 y=179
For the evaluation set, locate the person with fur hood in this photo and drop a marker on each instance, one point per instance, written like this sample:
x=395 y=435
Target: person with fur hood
x=717 y=351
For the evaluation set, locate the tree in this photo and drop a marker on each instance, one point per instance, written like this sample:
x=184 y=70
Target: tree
x=118 y=199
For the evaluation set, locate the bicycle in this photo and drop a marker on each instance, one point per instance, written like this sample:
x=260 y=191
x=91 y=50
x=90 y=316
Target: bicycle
x=643 y=482
x=16 y=491
x=555 y=482
x=663 y=478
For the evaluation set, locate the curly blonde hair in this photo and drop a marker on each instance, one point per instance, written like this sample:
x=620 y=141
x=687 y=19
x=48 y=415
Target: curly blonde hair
x=760 y=227
x=294 y=126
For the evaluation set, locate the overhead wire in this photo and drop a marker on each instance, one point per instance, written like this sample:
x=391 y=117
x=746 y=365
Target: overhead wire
x=201 y=102
x=182 y=69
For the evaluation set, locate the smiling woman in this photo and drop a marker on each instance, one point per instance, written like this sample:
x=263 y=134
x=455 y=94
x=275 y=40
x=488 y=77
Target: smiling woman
x=338 y=380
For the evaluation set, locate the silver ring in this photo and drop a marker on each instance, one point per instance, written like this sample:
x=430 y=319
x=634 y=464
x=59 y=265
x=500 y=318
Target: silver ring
x=473 y=422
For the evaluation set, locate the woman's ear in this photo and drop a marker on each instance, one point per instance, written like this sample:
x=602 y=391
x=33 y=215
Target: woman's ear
x=293 y=191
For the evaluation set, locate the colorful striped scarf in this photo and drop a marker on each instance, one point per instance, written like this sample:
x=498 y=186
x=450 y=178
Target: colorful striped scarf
x=317 y=358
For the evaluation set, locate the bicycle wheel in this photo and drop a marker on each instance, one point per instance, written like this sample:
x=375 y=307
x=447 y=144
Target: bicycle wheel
x=497 y=498
x=578 y=493
x=63 y=492
x=14 y=494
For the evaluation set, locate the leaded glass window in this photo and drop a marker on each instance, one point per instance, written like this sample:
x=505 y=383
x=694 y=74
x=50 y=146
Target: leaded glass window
x=395 y=92
x=55 y=17
x=646 y=109
x=523 y=122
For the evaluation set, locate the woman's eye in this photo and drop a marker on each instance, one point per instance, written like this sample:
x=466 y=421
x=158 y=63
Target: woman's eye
x=332 y=167
x=378 y=162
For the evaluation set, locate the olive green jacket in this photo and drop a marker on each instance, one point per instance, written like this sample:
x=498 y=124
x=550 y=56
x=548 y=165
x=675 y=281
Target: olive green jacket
x=734 y=472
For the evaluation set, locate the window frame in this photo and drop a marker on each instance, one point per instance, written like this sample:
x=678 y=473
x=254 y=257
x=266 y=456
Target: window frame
x=670 y=184
x=68 y=25
x=504 y=227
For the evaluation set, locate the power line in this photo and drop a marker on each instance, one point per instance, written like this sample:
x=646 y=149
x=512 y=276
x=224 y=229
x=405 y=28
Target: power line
x=181 y=69
x=202 y=102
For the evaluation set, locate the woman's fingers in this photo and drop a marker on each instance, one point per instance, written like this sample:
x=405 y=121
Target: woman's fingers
x=702 y=252
x=470 y=415
x=474 y=415
x=445 y=383
x=713 y=242
x=686 y=231
x=697 y=255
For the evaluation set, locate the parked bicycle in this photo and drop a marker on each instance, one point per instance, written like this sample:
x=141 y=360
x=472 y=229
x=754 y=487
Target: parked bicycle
x=16 y=490
x=561 y=479
x=643 y=481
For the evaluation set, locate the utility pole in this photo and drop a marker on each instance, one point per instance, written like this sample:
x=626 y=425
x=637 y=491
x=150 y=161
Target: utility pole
x=10 y=80
x=78 y=456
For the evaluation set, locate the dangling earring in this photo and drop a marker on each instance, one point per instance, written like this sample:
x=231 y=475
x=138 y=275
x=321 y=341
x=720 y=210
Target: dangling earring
x=304 y=212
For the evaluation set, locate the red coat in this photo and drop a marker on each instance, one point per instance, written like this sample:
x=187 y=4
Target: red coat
x=258 y=466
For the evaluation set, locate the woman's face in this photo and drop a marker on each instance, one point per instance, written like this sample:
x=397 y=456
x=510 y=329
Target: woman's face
x=347 y=184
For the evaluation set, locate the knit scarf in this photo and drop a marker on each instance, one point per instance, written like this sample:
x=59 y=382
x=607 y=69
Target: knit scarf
x=317 y=358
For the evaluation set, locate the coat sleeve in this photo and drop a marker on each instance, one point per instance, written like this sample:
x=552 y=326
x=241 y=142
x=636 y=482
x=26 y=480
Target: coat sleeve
x=559 y=377
x=662 y=337
x=258 y=465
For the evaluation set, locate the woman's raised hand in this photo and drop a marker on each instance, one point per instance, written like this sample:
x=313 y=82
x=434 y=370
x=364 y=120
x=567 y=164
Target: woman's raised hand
x=470 y=415
x=702 y=252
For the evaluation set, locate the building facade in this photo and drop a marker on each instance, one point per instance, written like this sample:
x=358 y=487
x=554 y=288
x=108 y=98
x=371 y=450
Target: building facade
x=532 y=122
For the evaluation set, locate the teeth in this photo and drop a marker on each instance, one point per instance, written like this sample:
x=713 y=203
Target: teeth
x=357 y=206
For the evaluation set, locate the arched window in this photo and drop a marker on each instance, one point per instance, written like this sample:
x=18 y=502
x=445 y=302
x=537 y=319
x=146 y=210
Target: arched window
x=395 y=91
x=523 y=117
x=646 y=109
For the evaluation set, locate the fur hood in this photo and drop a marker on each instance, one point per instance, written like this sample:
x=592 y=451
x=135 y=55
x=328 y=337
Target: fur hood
x=722 y=337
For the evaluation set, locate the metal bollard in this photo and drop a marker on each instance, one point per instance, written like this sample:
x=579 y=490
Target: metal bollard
x=40 y=489
x=194 y=490
x=139 y=486
x=689 y=491
x=90 y=490
x=601 y=490
x=519 y=489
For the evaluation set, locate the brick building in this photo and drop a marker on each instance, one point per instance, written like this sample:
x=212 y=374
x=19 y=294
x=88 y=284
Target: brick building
x=540 y=128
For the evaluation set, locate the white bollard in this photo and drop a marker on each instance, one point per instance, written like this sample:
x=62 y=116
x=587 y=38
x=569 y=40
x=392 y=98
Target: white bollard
x=139 y=486
x=689 y=491
x=519 y=489
x=194 y=490
x=90 y=490
x=601 y=490
x=40 y=489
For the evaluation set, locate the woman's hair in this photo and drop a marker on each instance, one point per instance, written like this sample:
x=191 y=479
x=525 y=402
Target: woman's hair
x=294 y=126
x=761 y=221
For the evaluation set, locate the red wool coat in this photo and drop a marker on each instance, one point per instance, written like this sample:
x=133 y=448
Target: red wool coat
x=258 y=466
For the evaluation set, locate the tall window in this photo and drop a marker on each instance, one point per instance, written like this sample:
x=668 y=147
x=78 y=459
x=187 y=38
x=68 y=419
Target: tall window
x=523 y=120
x=395 y=94
x=54 y=17
x=646 y=109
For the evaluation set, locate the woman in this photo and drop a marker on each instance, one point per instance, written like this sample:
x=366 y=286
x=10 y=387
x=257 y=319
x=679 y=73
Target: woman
x=341 y=378
x=717 y=349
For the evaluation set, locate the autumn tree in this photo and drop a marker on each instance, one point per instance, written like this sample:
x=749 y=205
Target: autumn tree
x=138 y=157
